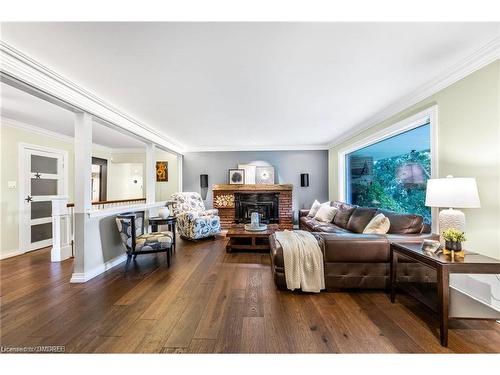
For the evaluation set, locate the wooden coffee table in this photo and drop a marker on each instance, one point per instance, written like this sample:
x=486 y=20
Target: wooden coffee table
x=241 y=239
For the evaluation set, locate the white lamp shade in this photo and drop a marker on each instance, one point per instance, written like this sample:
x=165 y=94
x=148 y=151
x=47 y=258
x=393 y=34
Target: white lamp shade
x=452 y=192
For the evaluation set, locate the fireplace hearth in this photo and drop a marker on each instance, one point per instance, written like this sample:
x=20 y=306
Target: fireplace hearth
x=266 y=204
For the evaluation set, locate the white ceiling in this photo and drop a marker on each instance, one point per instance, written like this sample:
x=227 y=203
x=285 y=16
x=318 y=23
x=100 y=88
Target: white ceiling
x=250 y=85
x=30 y=110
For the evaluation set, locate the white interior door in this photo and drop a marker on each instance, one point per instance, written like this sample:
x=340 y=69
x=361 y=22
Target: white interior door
x=43 y=179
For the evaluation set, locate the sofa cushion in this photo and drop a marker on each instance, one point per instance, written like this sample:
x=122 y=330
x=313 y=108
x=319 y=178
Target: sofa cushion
x=336 y=204
x=403 y=223
x=325 y=213
x=314 y=209
x=379 y=224
x=331 y=228
x=360 y=218
x=343 y=214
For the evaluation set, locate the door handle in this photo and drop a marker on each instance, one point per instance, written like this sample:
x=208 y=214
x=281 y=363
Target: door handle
x=28 y=199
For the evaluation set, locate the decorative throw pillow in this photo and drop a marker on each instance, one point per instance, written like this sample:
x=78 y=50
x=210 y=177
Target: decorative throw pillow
x=314 y=209
x=326 y=213
x=380 y=224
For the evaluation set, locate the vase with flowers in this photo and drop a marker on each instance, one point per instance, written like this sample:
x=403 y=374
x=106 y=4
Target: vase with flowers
x=453 y=240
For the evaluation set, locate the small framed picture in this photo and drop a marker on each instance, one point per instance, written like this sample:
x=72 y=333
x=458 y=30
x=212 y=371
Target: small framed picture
x=161 y=171
x=236 y=176
x=264 y=175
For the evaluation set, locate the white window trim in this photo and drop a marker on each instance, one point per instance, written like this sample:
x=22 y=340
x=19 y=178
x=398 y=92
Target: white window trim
x=428 y=115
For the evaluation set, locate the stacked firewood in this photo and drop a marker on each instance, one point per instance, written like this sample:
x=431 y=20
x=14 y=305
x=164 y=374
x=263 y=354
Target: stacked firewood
x=226 y=201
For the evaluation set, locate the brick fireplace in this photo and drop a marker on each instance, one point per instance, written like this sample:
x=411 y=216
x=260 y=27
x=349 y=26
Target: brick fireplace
x=224 y=200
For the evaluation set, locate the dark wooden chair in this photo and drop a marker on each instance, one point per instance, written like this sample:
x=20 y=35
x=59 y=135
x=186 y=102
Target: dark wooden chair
x=131 y=228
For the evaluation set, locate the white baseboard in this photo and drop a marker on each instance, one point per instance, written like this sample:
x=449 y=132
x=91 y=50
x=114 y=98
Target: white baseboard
x=62 y=254
x=83 y=277
x=10 y=254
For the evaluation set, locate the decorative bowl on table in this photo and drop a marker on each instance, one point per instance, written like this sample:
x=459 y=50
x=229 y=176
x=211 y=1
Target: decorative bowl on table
x=254 y=228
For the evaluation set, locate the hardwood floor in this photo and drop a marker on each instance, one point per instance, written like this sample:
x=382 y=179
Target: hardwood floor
x=212 y=302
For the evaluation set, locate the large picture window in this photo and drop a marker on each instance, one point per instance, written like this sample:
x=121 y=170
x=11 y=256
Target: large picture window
x=392 y=173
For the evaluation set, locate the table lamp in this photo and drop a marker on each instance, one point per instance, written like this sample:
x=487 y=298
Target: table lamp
x=450 y=193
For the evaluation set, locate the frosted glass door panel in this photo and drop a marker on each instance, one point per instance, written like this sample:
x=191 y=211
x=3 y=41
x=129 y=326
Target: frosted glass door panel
x=42 y=186
x=41 y=232
x=40 y=210
x=43 y=164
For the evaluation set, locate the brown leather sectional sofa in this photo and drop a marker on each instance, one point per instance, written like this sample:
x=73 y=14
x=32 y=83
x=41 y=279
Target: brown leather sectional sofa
x=353 y=259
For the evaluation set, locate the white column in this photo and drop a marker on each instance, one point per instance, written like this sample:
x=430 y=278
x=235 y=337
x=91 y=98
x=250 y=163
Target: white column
x=150 y=173
x=83 y=162
x=180 y=159
x=61 y=230
x=82 y=197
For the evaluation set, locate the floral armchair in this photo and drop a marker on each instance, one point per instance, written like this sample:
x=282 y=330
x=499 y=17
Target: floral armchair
x=193 y=220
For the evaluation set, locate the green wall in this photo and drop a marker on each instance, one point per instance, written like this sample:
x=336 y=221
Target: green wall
x=468 y=146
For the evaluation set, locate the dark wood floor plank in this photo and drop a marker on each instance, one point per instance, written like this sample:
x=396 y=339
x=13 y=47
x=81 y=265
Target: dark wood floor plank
x=387 y=326
x=253 y=294
x=275 y=330
x=211 y=302
x=211 y=320
x=253 y=335
x=229 y=338
x=185 y=328
x=201 y=346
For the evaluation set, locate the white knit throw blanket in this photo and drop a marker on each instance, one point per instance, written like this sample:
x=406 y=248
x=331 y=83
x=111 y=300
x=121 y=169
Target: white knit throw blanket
x=303 y=261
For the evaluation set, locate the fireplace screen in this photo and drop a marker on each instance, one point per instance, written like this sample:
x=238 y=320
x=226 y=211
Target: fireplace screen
x=266 y=204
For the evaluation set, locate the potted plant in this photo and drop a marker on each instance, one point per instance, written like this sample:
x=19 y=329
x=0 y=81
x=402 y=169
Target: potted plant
x=453 y=239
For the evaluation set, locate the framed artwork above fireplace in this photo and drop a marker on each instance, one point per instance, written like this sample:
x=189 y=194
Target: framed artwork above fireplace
x=236 y=176
x=264 y=175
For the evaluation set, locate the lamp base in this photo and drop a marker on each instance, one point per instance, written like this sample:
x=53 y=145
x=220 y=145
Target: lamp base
x=451 y=218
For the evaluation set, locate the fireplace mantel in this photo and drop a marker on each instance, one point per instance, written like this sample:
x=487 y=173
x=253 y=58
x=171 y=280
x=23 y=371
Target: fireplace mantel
x=253 y=187
x=223 y=200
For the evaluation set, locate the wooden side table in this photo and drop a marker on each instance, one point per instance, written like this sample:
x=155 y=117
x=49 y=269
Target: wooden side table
x=444 y=265
x=170 y=222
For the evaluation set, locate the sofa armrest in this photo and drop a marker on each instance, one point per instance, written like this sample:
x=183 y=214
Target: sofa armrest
x=212 y=212
x=412 y=238
x=303 y=212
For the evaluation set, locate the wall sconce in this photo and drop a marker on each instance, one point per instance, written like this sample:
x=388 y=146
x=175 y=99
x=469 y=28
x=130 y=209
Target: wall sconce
x=204 y=185
x=304 y=179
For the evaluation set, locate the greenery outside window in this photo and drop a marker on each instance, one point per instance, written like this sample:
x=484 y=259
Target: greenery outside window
x=392 y=173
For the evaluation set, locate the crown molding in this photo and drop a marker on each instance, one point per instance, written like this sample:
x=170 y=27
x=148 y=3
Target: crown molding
x=485 y=55
x=131 y=150
x=17 y=67
x=5 y=121
x=258 y=148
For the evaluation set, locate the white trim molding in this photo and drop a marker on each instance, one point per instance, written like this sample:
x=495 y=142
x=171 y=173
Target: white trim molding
x=11 y=253
x=479 y=59
x=17 y=67
x=83 y=277
x=5 y=121
x=428 y=115
x=259 y=148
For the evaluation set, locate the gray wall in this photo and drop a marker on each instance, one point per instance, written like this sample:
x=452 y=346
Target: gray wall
x=288 y=167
